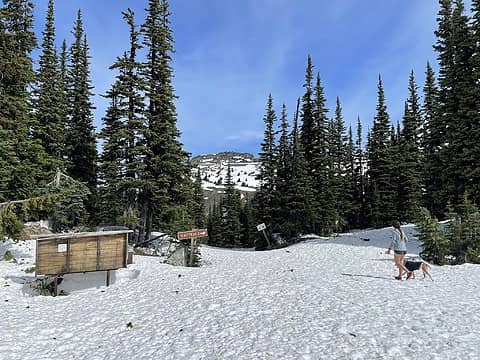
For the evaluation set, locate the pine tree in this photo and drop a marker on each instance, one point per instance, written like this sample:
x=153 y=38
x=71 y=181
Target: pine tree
x=81 y=149
x=265 y=192
x=320 y=166
x=434 y=244
x=50 y=126
x=338 y=153
x=433 y=136
x=360 y=205
x=349 y=185
x=231 y=227
x=167 y=170
x=23 y=165
x=111 y=198
x=199 y=202
x=307 y=133
x=463 y=232
x=461 y=161
x=474 y=146
x=300 y=197
x=409 y=170
x=382 y=192
x=127 y=132
x=248 y=229
x=282 y=169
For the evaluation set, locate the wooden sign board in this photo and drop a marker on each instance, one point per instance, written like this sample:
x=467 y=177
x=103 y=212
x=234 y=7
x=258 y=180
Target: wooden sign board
x=81 y=252
x=193 y=234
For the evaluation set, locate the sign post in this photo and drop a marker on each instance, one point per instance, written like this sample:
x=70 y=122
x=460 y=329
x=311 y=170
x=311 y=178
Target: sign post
x=262 y=227
x=192 y=235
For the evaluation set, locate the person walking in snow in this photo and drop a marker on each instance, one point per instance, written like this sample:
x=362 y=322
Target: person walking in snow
x=399 y=246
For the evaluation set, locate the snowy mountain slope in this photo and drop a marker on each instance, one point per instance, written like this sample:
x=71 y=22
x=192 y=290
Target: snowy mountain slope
x=213 y=171
x=329 y=298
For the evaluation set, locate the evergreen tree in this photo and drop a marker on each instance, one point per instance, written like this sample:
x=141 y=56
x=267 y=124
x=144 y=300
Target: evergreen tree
x=199 y=202
x=409 y=170
x=320 y=167
x=81 y=149
x=111 y=198
x=167 y=171
x=433 y=137
x=282 y=170
x=214 y=225
x=127 y=132
x=300 y=197
x=338 y=155
x=307 y=133
x=382 y=190
x=50 y=126
x=360 y=207
x=348 y=205
x=434 y=244
x=473 y=151
x=265 y=192
x=463 y=232
x=460 y=160
x=23 y=164
x=231 y=228
x=249 y=231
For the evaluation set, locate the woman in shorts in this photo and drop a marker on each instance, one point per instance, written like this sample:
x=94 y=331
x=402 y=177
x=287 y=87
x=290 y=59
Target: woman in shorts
x=399 y=246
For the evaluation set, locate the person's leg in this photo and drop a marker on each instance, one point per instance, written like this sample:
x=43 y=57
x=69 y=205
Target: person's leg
x=397 y=258
x=401 y=265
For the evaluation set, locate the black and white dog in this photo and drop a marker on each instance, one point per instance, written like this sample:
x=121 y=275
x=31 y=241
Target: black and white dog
x=417 y=264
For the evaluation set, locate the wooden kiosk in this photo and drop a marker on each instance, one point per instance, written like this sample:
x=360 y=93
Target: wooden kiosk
x=59 y=254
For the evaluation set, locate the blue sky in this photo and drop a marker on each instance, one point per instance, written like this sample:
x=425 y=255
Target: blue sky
x=230 y=54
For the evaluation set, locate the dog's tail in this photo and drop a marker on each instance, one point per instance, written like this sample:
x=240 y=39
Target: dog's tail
x=426 y=270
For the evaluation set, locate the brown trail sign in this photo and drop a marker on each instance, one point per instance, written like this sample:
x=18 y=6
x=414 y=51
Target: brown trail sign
x=192 y=235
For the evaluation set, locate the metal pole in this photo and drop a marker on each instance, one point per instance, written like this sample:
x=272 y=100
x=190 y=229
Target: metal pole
x=266 y=238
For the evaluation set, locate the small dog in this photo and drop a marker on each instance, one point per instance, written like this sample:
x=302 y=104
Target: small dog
x=412 y=265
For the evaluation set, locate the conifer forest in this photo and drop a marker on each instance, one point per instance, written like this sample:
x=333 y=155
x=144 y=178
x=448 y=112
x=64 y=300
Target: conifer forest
x=317 y=175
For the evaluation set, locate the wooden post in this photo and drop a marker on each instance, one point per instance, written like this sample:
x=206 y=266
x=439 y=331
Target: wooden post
x=55 y=285
x=108 y=278
x=192 y=244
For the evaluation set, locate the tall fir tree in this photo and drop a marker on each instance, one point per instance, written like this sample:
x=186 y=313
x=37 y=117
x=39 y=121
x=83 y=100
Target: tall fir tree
x=231 y=227
x=282 y=166
x=199 y=202
x=81 y=148
x=111 y=200
x=320 y=165
x=299 y=194
x=50 y=113
x=474 y=146
x=128 y=137
x=167 y=168
x=266 y=191
x=409 y=169
x=307 y=131
x=382 y=190
x=460 y=154
x=23 y=165
x=433 y=137
x=360 y=219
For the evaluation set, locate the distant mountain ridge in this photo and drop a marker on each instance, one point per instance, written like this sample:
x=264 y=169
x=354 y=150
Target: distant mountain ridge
x=213 y=171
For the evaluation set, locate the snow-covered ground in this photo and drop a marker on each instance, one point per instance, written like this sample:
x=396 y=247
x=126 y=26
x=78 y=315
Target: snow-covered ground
x=329 y=298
